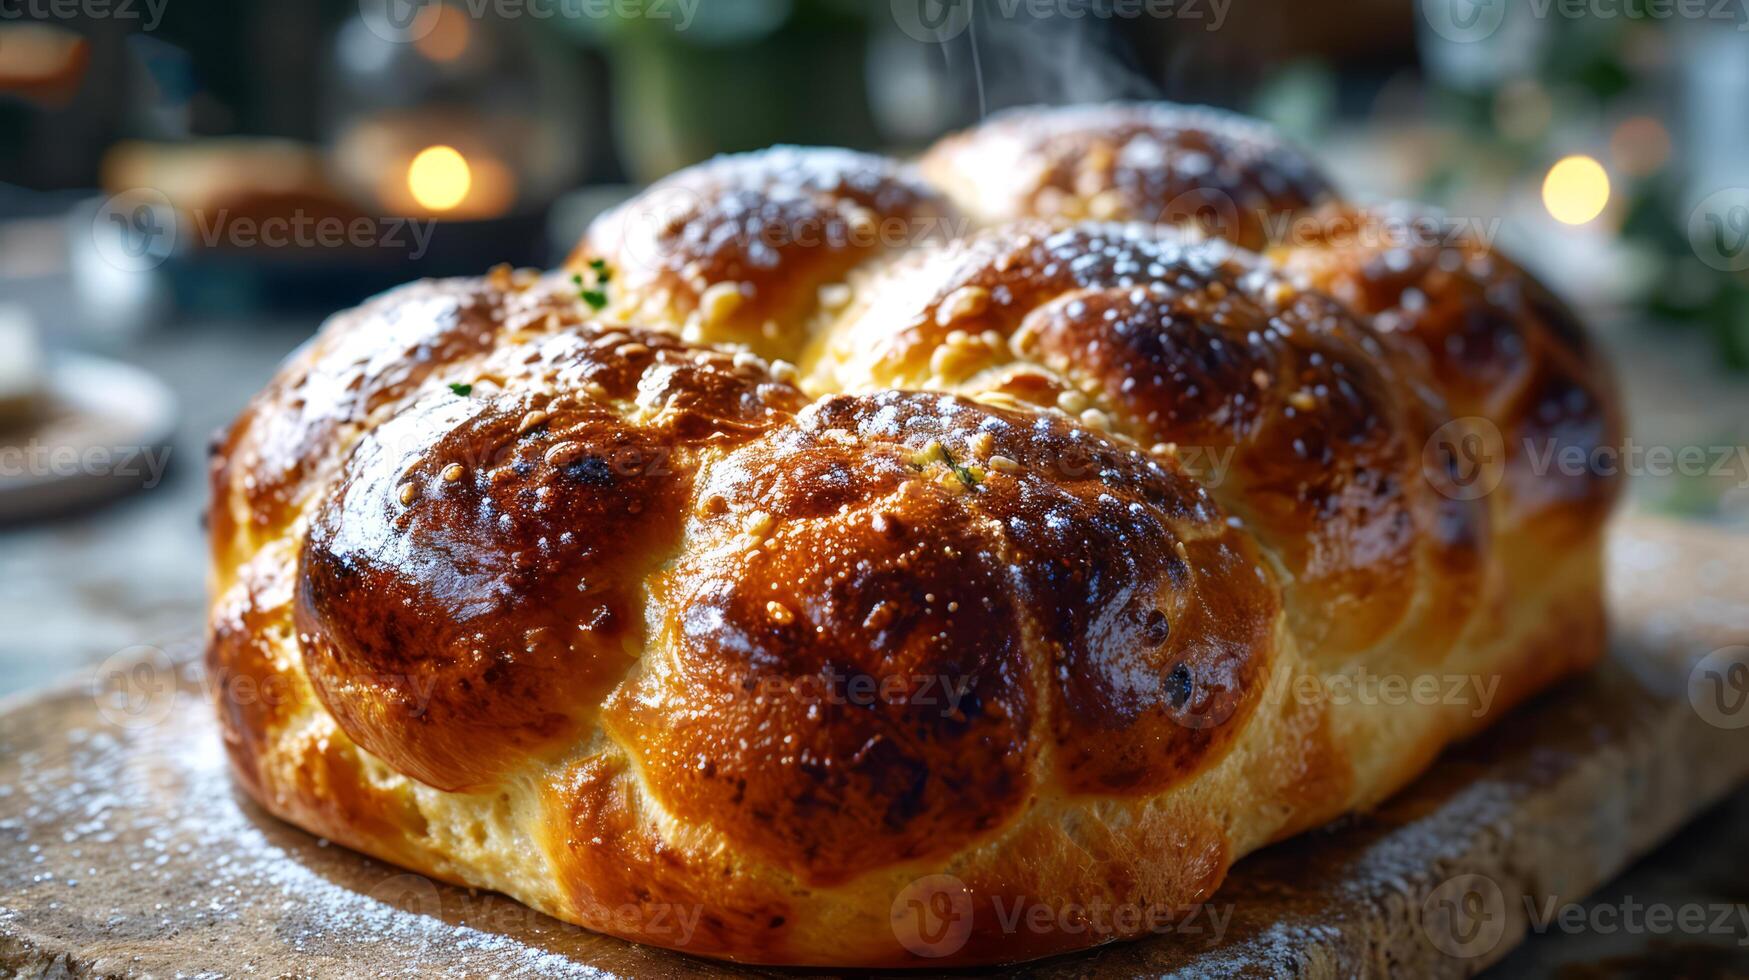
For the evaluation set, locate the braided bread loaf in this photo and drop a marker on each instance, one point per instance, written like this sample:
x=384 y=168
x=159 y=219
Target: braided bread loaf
x=887 y=556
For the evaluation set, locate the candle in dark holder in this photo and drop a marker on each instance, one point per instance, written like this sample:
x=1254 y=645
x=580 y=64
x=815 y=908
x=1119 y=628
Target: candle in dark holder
x=468 y=122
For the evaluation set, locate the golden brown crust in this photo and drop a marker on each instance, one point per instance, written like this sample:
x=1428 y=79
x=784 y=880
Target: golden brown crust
x=472 y=586
x=1309 y=426
x=739 y=249
x=1499 y=344
x=1153 y=162
x=364 y=362
x=850 y=686
x=1052 y=594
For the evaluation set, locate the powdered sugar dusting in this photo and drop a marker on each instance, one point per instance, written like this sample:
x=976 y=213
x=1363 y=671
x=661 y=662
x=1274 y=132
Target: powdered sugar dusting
x=132 y=843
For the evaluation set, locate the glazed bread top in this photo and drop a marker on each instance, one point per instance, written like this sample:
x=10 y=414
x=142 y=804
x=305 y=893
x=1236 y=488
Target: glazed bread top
x=1227 y=175
x=1090 y=470
x=734 y=250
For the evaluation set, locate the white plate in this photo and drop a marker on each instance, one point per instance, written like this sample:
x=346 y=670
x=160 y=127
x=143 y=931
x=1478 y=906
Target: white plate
x=103 y=428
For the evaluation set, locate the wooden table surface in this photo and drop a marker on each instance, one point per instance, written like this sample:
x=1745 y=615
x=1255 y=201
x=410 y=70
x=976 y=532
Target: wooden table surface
x=124 y=849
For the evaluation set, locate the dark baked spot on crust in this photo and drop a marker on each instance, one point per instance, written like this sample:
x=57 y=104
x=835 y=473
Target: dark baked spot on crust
x=474 y=585
x=1155 y=163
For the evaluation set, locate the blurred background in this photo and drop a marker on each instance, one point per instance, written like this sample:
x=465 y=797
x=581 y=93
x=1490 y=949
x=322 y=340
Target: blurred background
x=188 y=186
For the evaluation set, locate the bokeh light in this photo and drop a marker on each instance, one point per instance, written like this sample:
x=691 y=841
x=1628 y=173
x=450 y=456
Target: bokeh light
x=1576 y=190
x=439 y=178
x=1640 y=146
x=447 y=34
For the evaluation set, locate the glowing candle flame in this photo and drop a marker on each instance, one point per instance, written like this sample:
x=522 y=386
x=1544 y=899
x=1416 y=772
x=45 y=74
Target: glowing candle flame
x=1576 y=190
x=439 y=178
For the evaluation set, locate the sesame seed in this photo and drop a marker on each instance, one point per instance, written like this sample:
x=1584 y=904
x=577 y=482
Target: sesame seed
x=834 y=296
x=453 y=472
x=779 y=613
x=758 y=525
x=962 y=303
x=532 y=420
x=1004 y=464
x=862 y=220
x=408 y=492
x=1106 y=205
x=719 y=302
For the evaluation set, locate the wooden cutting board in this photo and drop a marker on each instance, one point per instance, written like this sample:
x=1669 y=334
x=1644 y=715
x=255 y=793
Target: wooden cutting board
x=124 y=849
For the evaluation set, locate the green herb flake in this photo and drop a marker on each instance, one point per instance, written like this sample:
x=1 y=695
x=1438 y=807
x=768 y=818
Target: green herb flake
x=461 y=389
x=596 y=298
x=602 y=276
x=966 y=476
